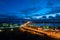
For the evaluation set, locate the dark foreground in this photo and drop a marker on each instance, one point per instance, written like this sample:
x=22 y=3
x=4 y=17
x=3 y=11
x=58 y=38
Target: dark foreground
x=19 y=35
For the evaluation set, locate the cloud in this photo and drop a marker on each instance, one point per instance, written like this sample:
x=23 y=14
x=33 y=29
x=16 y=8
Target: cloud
x=47 y=16
x=42 y=11
x=28 y=9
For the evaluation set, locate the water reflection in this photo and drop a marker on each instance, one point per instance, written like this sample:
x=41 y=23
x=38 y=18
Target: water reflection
x=47 y=24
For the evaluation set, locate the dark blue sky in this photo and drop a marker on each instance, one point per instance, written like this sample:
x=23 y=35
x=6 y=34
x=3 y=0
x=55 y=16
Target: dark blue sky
x=29 y=8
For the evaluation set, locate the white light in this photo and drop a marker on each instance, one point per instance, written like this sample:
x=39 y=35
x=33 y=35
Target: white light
x=0 y=30
x=11 y=29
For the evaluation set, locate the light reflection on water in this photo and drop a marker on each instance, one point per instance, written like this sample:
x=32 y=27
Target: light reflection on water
x=47 y=24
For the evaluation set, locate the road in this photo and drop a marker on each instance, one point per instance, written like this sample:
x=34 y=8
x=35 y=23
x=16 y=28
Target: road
x=40 y=31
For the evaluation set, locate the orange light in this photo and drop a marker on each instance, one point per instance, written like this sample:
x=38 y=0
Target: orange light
x=50 y=33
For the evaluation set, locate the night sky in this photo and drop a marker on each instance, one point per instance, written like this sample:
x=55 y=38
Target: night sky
x=27 y=9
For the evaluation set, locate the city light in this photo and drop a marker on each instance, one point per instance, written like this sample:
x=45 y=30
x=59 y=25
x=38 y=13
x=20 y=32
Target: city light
x=12 y=29
x=0 y=30
x=45 y=29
